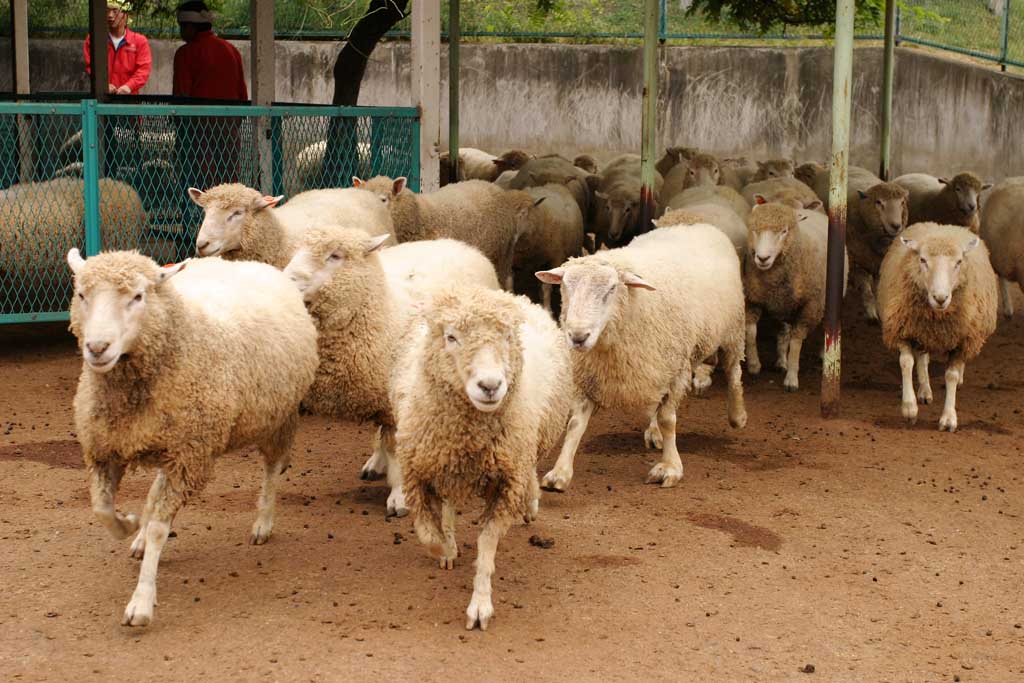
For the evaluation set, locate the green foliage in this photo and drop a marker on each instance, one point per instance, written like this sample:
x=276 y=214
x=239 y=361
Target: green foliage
x=766 y=15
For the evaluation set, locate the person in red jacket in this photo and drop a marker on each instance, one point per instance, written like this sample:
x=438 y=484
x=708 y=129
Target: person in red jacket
x=129 y=60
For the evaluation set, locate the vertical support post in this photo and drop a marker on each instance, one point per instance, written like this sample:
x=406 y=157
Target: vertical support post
x=663 y=21
x=19 y=63
x=276 y=156
x=426 y=87
x=261 y=36
x=649 y=117
x=454 y=36
x=899 y=24
x=98 y=39
x=842 y=82
x=1004 y=36
x=888 y=65
x=91 y=176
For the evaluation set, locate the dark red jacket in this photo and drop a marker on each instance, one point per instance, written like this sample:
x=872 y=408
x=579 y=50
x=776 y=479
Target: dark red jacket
x=209 y=67
x=130 y=64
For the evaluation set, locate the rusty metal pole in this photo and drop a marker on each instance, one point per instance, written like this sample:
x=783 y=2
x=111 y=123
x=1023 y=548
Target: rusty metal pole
x=842 y=82
x=649 y=122
x=454 y=38
x=884 y=170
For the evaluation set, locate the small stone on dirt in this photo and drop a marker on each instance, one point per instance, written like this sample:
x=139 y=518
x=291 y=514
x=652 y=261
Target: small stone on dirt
x=807 y=669
x=539 y=542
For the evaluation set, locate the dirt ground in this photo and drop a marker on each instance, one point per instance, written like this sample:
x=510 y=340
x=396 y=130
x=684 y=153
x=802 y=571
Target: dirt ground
x=859 y=546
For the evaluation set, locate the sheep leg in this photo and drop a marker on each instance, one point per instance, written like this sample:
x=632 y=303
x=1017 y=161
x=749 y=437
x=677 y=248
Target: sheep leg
x=734 y=374
x=105 y=480
x=481 y=609
x=1007 y=298
x=954 y=370
x=275 y=460
x=782 y=347
x=924 y=384
x=669 y=471
x=377 y=466
x=561 y=474
x=450 y=547
x=909 y=405
x=532 y=501
x=702 y=375
x=797 y=335
x=138 y=548
x=396 y=498
x=867 y=294
x=429 y=512
x=652 y=435
x=753 y=360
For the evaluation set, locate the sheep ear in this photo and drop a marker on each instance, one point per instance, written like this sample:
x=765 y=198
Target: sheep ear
x=357 y=181
x=551 y=277
x=803 y=217
x=169 y=271
x=376 y=242
x=910 y=244
x=760 y=199
x=261 y=203
x=862 y=194
x=944 y=181
x=196 y=195
x=986 y=186
x=971 y=245
x=398 y=185
x=631 y=279
x=814 y=205
x=75 y=260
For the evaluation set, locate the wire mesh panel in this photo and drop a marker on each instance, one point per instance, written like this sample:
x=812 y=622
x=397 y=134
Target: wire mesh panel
x=968 y=26
x=108 y=177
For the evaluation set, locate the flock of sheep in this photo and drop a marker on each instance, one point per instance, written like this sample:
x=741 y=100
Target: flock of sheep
x=374 y=303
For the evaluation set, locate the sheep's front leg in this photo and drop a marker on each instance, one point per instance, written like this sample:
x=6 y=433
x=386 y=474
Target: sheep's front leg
x=909 y=405
x=867 y=294
x=138 y=548
x=669 y=471
x=782 y=347
x=377 y=466
x=753 y=360
x=275 y=452
x=737 y=409
x=396 y=497
x=702 y=375
x=797 y=334
x=1007 y=298
x=481 y=609
x=434 y=521
x=450 y=547
x=924 y=383
x=105 y=480
x=559 y=477
x=954 y=370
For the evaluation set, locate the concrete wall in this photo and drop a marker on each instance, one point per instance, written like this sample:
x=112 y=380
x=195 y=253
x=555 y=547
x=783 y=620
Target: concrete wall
x=948 y=115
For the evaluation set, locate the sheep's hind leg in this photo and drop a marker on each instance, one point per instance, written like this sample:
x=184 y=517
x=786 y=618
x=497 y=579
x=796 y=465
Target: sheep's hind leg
x=376 y=467
x=797 y=334
x=669 y=471
x=702 y=375
x=736 y=407
x=396 y=496
x=954 y=371
x=481 y=609
x=275 y=460
x=753 y=360
x=138 y=548
x=104 y=481
x=782 y=345
x=867 y=294
x=450 y=547
x=924 y=384
x=561 y=474
x=909 y=404
x=1006 y=297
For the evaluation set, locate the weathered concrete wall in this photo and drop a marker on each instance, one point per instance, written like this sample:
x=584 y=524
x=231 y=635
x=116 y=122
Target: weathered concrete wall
x=948 y=114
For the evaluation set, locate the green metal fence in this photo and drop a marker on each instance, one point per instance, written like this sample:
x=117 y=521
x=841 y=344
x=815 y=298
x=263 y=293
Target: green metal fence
x=114 y=176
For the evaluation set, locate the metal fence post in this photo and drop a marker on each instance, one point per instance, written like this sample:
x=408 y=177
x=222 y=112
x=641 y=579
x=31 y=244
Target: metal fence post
x=454 y=38
x=1004 y=36
x=649 y=113
x=277 y=157
x=663 y=21
x=887 y=76
x=414 y=161
x=899 y=26
x=91 y=177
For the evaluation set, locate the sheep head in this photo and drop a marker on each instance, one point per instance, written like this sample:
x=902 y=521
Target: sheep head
x=593 y=294
x=965 y=187
x=807 y=172
x=704 y=170
x=771 y=230
x=325 y=252
x=109 y=307
x=885 y=208
x=474 y=345
x=585 y=162
x=227 y=213
x=774 y=168
x=386 y=189
x=940 y=266
x=511 y=160
x=622 y=205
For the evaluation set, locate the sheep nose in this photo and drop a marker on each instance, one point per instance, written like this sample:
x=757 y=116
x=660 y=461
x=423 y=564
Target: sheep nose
x=940 y=299
x=579 y=338
x=490 y=386
x=762 y=260
x=97 y=348
x=895 y=227
x=971 y=207
x=201 y=246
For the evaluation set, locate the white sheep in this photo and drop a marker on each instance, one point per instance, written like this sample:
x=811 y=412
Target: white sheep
x=361 y=301
x=772 y=188
x=1002 y=228
x=476 y=164
x=937 y=294
x=784 y=275
x=177 y=372
x=481 y=391
x=241 y=224
x=309 y=161
x=638 y=318
x=952 y=201
x=723 y=195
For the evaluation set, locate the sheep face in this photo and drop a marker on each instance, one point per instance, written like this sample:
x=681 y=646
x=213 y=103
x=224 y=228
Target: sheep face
x=385 y=188
x=591 y=296
x=622 y=214
x=326 y=252
x=807 y=172
x=940 y=268
x=772 y=228
x=776 y=168
x=704 y=171
x=966 y=187
x=885 y=207
x=109 y=306
x=227 y=213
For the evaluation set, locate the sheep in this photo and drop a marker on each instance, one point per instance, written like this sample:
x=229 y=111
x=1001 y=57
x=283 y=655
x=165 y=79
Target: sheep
x=634 y=350
x=361 y=302
x=177 y=372
x=504 y=181
x=482 y=390
x=701 y=170
x=555 y=169
x=722 y=217
x=1002 y=228
x=241 y=224
x=555 y=234
x=946 y=201
x=737 y=171
x=937 y=294
x=817 y=177
x=672 y=157
x=876 y=213
x=586 y=163
x=770 y=188
x=309 y=162
x=619 y=198
x=773 y=168
x=722 y=195
x=784 y=275
x=474 y=211
x=476 y=164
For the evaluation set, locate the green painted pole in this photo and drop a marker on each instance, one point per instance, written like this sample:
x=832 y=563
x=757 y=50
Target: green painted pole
x=1004 y=36
x=842 y=83
x=91 y=177
x=649 y=120
x=454 y=36
x=888 y=68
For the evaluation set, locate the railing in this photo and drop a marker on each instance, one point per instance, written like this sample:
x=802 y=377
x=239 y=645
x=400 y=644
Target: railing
x=114 y=176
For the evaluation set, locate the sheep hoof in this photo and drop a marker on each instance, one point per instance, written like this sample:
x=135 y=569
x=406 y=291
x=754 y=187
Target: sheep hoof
x=947 y=423
x=781 y=365
x=738 y=421
x=665 y=475
x=652 y=437
x=446 y=562
x=139 y=611
x=700 y=385
x=924 y=397
x=259 y=535
x=138 y=549
x=791 y=386
x=396 y=504
x=479 y=612
x=556 y=482
x=909 y=411
x=753 y=368
x=371 y=474
x=532 y=510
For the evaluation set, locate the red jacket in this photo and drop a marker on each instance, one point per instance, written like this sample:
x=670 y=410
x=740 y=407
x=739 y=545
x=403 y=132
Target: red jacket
x=209 y=67
x=130 y=64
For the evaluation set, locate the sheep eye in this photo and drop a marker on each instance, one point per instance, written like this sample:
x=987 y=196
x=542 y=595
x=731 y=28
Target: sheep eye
x=450 y=338
x=137 y=298
x=334 y=258
x=924 y=262
x=959 y=262
x=81 y=296
x=236 y=214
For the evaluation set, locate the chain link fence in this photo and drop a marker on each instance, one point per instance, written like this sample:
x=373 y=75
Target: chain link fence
x=114 y=176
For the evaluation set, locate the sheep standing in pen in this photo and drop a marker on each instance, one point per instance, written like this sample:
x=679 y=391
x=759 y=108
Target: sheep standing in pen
x=618 y=193
x=638 y=318
x=555 y=234
x=945 y=201
x=772 y=188
x=241 y=224
x=723 y=195
x=361 y=301
x=672 y=157
x=478 y=213
x=476 y=164
x=937 y=294
x=1002 y=228
x=482 y=390
x=587 y=163
x=817 y=177
x=553 y=168
x=784 y=275
x=773 y=168
x=876 y=213
x=177 y=372
x=701 y=170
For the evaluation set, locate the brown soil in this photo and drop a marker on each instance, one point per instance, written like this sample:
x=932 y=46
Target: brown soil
x=866 y=548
